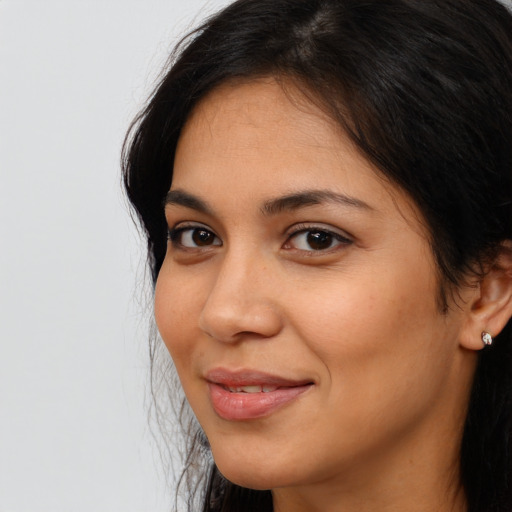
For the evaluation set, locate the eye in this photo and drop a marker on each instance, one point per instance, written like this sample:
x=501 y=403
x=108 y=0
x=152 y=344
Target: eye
x=315 y=239
x=193 y=237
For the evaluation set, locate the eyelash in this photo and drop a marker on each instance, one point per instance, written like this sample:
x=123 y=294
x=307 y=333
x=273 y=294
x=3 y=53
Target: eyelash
x=302 y=229
x=175 y=234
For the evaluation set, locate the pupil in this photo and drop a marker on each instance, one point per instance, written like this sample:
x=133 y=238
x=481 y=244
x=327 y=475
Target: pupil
x=319 y=240
x=202 y=237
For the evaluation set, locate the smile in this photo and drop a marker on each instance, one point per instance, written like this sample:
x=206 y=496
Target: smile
x=252 y=389
x=238 y=396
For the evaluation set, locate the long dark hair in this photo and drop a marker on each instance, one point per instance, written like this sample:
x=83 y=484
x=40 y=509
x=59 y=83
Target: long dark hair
x=424 y=88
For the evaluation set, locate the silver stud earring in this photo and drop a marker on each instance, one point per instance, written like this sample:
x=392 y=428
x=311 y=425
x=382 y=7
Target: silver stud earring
x=486 y=338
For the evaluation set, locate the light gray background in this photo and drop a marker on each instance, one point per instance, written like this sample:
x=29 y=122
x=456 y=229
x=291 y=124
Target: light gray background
x=73 y=343
x=73 y=351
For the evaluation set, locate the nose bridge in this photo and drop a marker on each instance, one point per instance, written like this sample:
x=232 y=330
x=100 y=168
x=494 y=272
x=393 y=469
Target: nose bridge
x=241 y=299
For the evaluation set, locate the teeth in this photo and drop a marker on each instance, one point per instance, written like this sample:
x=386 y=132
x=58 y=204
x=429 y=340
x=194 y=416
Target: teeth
x=246 y=389
x=252 y=389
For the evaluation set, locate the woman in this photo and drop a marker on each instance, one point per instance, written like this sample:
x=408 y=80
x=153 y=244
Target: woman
x=326 y=189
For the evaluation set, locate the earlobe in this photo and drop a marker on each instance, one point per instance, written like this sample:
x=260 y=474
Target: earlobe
x=491 y=307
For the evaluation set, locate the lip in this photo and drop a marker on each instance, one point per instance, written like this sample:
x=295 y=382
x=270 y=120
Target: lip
x=240 y=406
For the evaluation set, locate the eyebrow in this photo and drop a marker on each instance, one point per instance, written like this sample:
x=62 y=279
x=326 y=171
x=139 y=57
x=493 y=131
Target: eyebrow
x=290 y=202
x=306 y=198
x=182 y=198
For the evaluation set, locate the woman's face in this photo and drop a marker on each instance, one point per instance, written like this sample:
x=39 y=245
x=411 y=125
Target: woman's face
x=298 y=299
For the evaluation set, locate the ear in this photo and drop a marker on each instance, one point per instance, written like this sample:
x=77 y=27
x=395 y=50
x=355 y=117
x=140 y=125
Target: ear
x=490 y=307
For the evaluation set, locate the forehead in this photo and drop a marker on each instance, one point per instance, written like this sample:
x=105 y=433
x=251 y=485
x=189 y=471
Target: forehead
x=258 y=139
x=263 y=113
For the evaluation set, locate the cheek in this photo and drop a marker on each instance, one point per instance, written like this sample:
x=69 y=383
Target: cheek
x=176 y=313
x=361 y=314
x=380 y=341
x=177 y=310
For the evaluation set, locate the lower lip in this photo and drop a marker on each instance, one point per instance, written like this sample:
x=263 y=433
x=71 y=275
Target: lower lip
x=250 y=406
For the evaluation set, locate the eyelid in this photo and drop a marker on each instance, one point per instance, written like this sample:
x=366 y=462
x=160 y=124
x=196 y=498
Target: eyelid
x=190 y=224
x=318 y=226
x=341 y=236
x=184 y=224
x=174 y=232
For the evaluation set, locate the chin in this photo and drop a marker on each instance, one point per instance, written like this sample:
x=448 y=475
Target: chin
x=255 y=474
x=249 y=480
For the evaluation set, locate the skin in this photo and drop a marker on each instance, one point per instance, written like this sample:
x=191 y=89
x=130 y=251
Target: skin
x=380 y=428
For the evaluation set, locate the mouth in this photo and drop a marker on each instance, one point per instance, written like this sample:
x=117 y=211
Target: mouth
x=251 y=389
x=247 y=395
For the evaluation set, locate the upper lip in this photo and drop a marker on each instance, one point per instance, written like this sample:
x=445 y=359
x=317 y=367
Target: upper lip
x=225 y=377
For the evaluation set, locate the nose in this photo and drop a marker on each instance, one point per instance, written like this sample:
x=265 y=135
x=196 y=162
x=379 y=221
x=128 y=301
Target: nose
x=242 y=303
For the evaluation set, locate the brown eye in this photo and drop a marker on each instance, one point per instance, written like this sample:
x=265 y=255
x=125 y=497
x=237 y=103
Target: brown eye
x=316 y=240
x=319 y=240
x=202 y=237
x=193 y=237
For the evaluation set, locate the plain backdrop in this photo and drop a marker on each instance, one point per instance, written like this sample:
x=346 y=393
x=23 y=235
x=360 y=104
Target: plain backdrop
x=73 y=342
x=73 y=349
